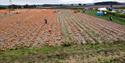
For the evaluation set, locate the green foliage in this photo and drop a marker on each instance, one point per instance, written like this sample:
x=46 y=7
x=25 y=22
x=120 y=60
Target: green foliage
x=116 y=19
x=3 y=7
x=116 y=14
x=95 y=53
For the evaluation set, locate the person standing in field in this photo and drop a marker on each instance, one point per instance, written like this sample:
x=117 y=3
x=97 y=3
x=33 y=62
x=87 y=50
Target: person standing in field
x=45 y=21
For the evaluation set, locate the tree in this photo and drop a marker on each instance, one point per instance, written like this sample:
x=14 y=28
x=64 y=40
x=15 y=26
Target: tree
x=72 y=5
x=80 y=4
x=84 y=4
x=26 y=6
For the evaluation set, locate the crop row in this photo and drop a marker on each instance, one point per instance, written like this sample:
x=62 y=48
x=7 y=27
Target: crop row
x=88 y=29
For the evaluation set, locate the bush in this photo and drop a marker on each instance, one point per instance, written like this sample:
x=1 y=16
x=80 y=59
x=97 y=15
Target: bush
x=120 y=15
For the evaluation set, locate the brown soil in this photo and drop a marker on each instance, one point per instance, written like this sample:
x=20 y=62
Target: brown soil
x=28 y=29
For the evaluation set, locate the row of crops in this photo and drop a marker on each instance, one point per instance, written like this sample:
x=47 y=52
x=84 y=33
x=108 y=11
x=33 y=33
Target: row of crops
x=81 y=28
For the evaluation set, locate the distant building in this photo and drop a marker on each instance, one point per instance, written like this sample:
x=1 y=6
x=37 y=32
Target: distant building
x=102 y=9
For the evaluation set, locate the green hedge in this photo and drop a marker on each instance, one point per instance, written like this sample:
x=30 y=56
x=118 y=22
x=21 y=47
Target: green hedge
x=116 y=14
x=2 y=7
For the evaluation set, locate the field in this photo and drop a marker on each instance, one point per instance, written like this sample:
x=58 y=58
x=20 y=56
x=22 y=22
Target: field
x=27 y=29
x=2 y=11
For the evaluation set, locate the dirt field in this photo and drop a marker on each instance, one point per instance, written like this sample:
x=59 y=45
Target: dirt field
x=28 y=29
x=3 y=11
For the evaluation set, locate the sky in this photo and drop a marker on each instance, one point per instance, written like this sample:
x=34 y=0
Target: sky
x=23 y=2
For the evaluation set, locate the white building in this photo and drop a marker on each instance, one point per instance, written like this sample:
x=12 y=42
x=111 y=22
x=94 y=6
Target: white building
x=102 y=9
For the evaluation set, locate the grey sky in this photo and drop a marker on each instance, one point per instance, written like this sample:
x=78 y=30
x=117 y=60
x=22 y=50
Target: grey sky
x=6 y=2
